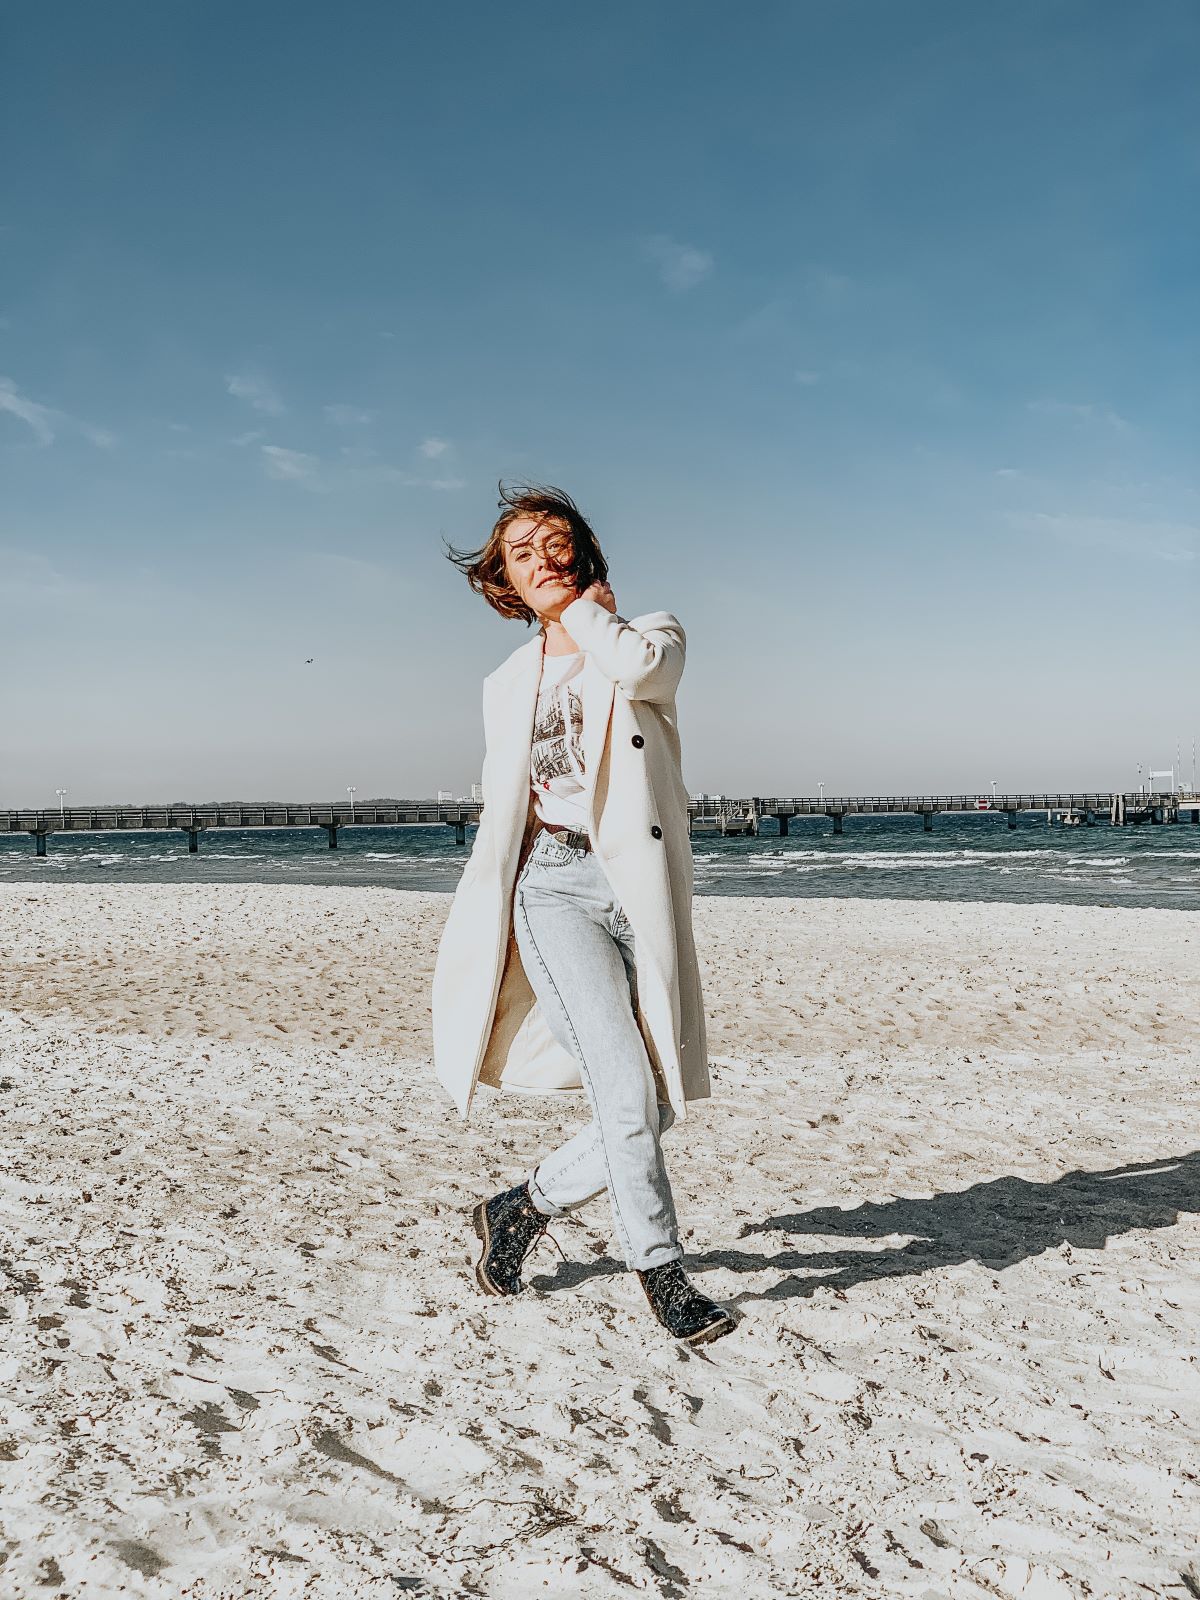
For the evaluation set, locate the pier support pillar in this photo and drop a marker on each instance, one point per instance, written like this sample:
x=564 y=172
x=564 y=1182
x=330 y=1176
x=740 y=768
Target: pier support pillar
x=40 y=841
x=1089 y=818
x=783 y=827
x=838 y=819
x=1196 y=813
x=927 y=817
x=331 y=828
x=193 y=841
x=460 y=831
x=1012 y=819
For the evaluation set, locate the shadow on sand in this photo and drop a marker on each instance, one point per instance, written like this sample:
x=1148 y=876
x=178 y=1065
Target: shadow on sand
x=997 y=1223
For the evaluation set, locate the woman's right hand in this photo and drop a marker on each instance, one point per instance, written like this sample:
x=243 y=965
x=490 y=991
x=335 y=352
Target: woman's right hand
x=601 y=593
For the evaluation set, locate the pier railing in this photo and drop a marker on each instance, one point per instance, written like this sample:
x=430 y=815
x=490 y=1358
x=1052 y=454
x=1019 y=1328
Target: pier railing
x=732 y=814
x=807 y=805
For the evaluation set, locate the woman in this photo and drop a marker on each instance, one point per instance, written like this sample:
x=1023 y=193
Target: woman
x=567 y=958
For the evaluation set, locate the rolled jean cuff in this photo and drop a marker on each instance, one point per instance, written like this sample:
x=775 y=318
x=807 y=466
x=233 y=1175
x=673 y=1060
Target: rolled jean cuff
x=659 y=1257
x=541 y=1204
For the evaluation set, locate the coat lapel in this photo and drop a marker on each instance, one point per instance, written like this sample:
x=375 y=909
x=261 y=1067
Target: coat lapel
x=596 y=695
x=509 y=736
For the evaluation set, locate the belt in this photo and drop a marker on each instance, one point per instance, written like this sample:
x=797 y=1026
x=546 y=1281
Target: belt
x=568 y=836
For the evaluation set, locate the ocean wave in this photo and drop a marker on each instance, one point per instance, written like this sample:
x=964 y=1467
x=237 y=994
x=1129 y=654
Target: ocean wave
x=902 y=858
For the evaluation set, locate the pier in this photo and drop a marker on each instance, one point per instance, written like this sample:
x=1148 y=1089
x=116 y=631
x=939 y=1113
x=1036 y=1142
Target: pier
x=1066 y=810
x=729 y=817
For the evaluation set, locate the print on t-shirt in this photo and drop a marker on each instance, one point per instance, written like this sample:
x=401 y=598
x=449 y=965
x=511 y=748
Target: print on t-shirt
x=556 y=772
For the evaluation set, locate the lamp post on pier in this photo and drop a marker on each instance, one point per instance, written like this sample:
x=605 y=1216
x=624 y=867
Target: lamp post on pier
x=62 y=804
x=350 y=788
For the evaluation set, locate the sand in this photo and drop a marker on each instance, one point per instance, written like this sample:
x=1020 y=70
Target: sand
x=949 y=1180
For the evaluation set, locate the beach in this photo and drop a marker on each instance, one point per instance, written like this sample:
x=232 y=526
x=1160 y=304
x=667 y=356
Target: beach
x=949 y=1179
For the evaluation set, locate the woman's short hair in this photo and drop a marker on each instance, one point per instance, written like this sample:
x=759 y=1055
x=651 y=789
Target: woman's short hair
x=579 y=559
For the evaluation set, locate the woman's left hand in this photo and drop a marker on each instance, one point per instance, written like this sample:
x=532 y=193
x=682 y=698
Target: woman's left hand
x=602 y=594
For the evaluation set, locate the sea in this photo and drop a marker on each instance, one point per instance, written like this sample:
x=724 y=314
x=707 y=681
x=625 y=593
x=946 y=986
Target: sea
x=881 y=858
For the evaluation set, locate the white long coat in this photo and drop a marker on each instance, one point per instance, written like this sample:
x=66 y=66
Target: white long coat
x=487 y=1025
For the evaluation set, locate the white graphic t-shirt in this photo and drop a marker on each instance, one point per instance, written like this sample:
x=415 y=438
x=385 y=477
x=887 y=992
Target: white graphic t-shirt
x=556 y=772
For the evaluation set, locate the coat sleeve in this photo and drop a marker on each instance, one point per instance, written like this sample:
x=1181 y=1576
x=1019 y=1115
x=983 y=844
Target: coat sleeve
x=645 y=663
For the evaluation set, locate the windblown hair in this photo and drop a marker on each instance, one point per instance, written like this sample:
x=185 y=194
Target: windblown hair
x=576 y=557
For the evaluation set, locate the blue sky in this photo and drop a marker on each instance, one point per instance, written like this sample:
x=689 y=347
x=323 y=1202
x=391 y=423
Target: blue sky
x=866 y=334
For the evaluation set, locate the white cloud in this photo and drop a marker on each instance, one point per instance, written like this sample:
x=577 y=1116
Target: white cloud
x=829 y=286
x=30 y=577
x=39 y=418
x=346 y=471
x=243 y=439
x=46 y=420
x=257 y=392
x=1085 y=413
x=347 y=416
x=1160 y=541
x=772 y=321
x=680 y=266
x=806 y=376
x=433 y=447
x=288 y=466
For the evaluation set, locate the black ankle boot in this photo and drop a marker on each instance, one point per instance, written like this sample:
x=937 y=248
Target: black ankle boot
x=509 y=1227
x=681 y=1308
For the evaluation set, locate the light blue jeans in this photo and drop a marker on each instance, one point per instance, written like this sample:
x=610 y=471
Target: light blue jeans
x=577 y=948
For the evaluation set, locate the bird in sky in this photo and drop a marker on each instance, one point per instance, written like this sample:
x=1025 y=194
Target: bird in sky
x=309 y=660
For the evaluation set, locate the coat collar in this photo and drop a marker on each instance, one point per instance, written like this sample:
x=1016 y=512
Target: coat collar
x=527 y=656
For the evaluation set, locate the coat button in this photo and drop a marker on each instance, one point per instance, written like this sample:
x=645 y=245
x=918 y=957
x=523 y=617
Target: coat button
x=656 y=832
x=637 y=741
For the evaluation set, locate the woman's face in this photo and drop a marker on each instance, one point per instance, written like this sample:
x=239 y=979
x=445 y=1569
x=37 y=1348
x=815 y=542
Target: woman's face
x=537 y=561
